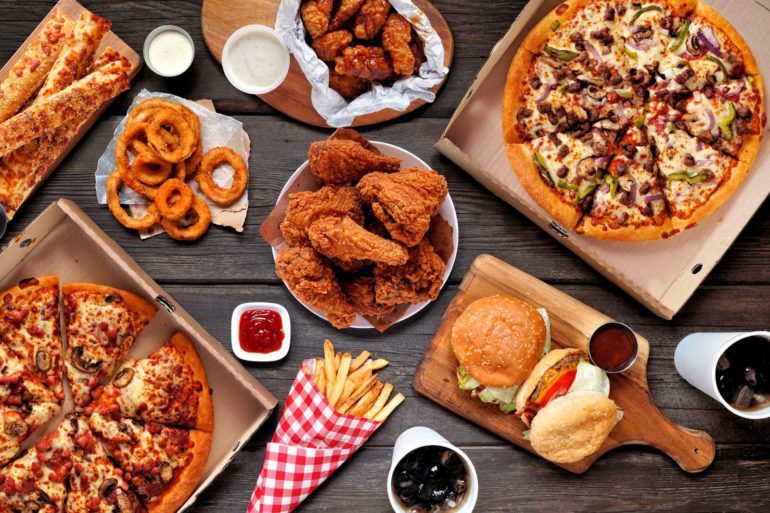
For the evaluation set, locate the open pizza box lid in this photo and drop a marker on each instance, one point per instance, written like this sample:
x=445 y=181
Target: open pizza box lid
x=63 y=240
x=663 y=274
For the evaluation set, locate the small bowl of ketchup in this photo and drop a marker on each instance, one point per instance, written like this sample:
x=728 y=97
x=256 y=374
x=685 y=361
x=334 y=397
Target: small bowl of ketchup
x=260 y=332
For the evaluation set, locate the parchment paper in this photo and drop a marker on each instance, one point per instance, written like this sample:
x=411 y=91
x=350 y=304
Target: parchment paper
x=334 y=108
x=216 y=130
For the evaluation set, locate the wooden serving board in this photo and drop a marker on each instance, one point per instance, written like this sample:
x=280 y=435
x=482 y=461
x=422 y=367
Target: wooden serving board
x=73 y=10
x=220 y=18
x=572 y=323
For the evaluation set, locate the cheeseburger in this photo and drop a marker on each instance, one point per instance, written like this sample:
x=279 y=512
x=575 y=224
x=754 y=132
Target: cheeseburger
x=497 y=341
x=565 y=403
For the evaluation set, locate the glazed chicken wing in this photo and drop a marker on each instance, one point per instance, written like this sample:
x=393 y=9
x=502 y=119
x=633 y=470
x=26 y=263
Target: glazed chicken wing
x=360 y=293
x=348 y=87
x=331 y=44
x=371 y=18
x=339 y=161
x=396 y=36
x=405 y=201
x=316 y=14
x=364 y=62
x=343 y=239
x=306 y=207
x=312 y=280
x=418 y=280
x=346 y=10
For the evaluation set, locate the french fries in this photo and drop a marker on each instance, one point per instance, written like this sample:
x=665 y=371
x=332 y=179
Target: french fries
x=352 y=387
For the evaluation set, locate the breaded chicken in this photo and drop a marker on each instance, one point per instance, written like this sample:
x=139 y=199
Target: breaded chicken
x=346 y=10
x=343 y=239
x=316 y=15
x=371 y=18
x=339 y=161
x=396 y=37
x=331 y=44
x=308 y=206
x=364 y=62
x=360 y=293
x=349 y=88
x=418 y=280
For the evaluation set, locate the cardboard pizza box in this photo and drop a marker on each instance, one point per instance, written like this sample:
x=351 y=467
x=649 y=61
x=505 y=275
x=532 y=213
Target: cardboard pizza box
x=663 y=274
x=63 y=240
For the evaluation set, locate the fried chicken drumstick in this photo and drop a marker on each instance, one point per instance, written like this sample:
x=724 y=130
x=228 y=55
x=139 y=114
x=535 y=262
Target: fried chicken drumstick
x=343 y=239
x=339 y=161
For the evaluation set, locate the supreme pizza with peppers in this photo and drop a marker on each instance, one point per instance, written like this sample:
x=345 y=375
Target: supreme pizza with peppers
x=632 y=120
x=140 y=433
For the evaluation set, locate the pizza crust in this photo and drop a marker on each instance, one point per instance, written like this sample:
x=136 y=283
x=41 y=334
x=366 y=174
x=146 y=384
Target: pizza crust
x=186 y=481
x=539 y=35
x=144 y=308
x=514 y=92
x=716 y=19
x=545 y=196
x=625 y=233
x=205 y=414
x=44 y=282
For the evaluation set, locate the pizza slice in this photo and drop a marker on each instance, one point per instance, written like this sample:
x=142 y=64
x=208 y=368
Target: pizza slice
x=628 y=203
x=696 y=178
x=169 y=387
x=101 y=325
x=29 y=327
x=164 y=463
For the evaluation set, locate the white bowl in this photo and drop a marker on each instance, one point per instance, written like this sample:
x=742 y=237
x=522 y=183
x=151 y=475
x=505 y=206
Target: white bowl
x=227 y=63
x=151 y=36
x=260 y=357
x=447 y=211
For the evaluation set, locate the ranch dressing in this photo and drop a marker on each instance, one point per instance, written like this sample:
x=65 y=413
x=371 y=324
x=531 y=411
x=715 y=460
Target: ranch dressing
x=255 y=60
x=169 y=53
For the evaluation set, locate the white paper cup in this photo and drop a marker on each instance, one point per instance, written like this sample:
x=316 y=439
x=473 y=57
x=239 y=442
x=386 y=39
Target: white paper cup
x=696 y=360
x=416 y=437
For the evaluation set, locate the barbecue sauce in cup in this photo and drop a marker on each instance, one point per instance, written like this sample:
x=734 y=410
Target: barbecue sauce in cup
x=613 y=347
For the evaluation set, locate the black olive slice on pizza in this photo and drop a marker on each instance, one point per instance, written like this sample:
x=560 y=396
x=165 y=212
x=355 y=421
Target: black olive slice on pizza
x=628 y=204
x=696 y=178
x=101 y=325
x=169 y=387
x=29 y=327
x=164 y=463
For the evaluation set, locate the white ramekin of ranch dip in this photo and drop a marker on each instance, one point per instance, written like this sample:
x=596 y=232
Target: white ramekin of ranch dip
x=255 y=59
x=169 y=50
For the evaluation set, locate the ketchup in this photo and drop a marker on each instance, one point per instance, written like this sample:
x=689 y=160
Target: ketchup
x=613 y=347
x=260 y=331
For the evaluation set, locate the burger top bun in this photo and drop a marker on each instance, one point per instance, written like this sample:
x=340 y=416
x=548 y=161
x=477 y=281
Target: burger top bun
x=573 y=426
x=542 y=366
x=498 y=340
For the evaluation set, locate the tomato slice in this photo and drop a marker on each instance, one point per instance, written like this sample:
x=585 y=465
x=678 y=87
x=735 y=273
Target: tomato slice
x=559 y=388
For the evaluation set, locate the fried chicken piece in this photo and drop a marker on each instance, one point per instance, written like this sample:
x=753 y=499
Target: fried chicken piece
x=339 y=161
x=331 y=44
x=346 y=10
x=364 y=62
x=396 y=36
x=418 y=280
x=316 y=14
x=343 y=239
x=349 y=88
x=309 y=277
x=419 y=56
x=371 y=18
x=405 y=201
x=360 y=294
x=308 y=206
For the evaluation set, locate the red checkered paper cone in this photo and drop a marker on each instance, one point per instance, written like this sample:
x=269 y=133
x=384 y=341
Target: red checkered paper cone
x=312 y=441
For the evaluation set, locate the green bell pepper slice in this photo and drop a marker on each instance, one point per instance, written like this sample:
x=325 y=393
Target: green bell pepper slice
x=542 y=167
x=564 y=184
x=628 y=95
x=555 y=24
x=681 y=37
x=562 y=55
x=686 y=177
x=639 y=121
x=631 y=53
x=645 y=10
x=722 y=67
x=613 y=183
x=726 y=123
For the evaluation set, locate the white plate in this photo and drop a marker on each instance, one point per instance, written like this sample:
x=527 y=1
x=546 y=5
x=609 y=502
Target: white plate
x=447 y=212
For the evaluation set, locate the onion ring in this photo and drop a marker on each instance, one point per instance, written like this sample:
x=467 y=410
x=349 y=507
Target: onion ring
x=121 y=160
x=192 y=226
x=169 y=149
x=113 y=202
x=150 y=169
x=220 y=195
x=192 y=164
x=145 y=111
x=174 y=199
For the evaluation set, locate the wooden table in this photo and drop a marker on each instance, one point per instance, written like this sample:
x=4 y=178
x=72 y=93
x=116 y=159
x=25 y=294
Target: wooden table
x=224 y=269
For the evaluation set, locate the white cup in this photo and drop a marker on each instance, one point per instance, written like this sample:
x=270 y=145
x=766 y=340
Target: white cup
x=696 y=360
x=416 y=437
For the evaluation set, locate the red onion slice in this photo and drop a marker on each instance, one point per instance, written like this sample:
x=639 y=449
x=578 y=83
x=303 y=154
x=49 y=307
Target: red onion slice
x=704 y=162
x=591 y=48
x=709 y=40
x=543 y=97
x=712 y=128
x=639 y=47
x=699 y=145
x=737 y=94
x=653 y=197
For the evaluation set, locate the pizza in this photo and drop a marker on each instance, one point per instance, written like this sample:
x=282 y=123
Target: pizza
x=630 y=120
x=101 y=325
x=169 y=386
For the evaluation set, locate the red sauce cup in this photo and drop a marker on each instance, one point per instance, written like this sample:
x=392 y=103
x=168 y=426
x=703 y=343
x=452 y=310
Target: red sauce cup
x=613 y=347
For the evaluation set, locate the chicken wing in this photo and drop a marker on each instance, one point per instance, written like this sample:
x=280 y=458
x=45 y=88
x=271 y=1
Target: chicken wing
x=316 y=15
x=309 y=277
x=306 y=207
x=349 y=88
x=360 y=294
x=331 y=44
x=346 y=10
x=405 y=201
x=340 y=161
x=343 y=239
x=396 y=36
x=418 y=280
x=371 y=18
x=364 y=62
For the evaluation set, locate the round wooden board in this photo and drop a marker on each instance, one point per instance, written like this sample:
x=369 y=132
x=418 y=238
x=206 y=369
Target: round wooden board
x=220 y=18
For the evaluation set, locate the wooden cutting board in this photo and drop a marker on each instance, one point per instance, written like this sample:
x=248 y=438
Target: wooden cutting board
x=220 y=18
x=572 y=323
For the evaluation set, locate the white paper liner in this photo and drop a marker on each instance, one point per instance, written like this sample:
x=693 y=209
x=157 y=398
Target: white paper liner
x=216 y=130
x=335 y=110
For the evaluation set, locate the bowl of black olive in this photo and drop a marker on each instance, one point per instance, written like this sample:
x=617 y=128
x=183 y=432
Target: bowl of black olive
x=430 y=475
